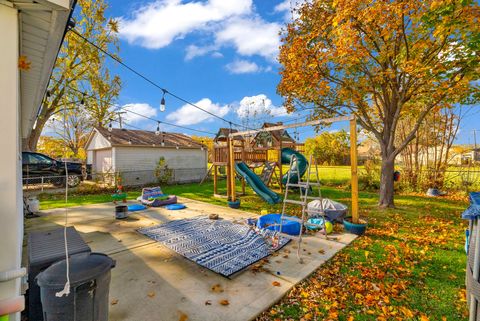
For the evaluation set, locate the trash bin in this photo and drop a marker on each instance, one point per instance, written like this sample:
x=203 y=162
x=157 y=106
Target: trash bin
x=89 y=287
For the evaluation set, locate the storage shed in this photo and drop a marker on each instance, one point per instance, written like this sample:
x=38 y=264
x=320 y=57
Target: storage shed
x=134 y=155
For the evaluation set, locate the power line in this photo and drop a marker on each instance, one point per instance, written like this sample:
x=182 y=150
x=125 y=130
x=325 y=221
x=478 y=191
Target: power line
x=164 y=90
x=166 y=123
x=130 y=111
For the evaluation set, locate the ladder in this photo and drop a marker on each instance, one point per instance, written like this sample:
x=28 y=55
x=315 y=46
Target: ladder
x=304 y=187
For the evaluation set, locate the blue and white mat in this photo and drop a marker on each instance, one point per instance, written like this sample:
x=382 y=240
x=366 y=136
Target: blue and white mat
x=218 y=245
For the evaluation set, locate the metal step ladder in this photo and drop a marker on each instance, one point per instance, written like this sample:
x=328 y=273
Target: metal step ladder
x=304 y=187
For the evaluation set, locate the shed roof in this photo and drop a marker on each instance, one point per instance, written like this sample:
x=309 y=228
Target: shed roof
x=130 y=137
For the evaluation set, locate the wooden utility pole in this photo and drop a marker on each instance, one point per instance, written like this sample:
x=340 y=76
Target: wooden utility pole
x=354 y=169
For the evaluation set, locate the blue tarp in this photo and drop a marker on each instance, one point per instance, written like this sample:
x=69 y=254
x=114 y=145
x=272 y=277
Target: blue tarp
x=473 y=211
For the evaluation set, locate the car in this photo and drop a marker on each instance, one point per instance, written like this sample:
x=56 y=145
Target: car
x=39 y=168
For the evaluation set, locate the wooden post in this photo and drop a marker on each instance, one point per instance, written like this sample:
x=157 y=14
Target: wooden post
x=354 y=169
x=227 y=167
x=215 y=178
x=233 y=195
x=280 y=164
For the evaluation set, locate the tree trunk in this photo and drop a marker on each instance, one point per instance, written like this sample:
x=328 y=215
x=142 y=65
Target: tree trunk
x=30 y=143
x=386 y=182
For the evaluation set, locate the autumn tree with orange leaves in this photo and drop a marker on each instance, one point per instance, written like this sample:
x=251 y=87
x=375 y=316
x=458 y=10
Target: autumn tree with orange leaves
x=381 y=61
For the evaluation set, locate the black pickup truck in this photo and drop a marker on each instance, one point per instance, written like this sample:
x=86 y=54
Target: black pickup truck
x=39 y=168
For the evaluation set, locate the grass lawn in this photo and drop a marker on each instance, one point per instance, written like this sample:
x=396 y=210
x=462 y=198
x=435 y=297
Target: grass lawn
x=410 y=265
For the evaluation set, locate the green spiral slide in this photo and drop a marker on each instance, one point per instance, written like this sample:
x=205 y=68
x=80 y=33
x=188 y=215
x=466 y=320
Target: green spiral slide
x=287 y=154
x=257 y=184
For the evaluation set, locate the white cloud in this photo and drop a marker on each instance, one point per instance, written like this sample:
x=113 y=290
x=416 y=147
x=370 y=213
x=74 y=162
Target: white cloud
x=287 y=5
x=222 y=23
x=251 y=106
x=189 y=115
x=217 y=54
x=251 y=36
x=242 y=67
x=193 y=51
x=140 y=108
x=157 y=24
x=283 y=6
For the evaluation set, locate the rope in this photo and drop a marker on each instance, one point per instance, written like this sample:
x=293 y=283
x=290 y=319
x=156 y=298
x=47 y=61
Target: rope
x=66 y=289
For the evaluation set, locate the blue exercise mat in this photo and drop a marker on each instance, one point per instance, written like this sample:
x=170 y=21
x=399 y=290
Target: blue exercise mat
x=136 y=207
x=218 y=245
x=174 y=207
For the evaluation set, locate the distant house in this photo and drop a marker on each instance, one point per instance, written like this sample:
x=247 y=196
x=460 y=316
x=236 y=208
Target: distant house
x=274 y=138
x=134 y=154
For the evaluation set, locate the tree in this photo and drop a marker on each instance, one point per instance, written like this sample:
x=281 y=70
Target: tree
x=81 y=82
x=430 y=148
x=329 y=148
x=381 y=61
x=206 y=141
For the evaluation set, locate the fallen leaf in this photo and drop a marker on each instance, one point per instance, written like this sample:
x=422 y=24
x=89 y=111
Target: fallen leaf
x=217 y=288
x=114 y=301
x=224 y=302
x=151 y=294
x=208 y=302
x=183 y=317
x=276 y=283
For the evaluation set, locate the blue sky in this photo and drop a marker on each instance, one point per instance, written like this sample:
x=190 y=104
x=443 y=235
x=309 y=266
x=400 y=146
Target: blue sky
x=219 y=54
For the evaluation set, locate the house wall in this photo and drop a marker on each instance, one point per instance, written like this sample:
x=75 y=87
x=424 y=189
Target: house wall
x=102 y=161
x=98 y=142
x=11 y=211
x=138 y=163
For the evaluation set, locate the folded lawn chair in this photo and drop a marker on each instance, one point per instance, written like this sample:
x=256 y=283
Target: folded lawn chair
x=153 y=196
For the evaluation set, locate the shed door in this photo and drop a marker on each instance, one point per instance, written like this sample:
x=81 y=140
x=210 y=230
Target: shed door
x=103 y=161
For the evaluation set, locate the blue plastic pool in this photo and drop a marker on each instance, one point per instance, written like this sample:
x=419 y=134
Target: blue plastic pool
x=136 y=207
x=174 y=207
x=288 y=227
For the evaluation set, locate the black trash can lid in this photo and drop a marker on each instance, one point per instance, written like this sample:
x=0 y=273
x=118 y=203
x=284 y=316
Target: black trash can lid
x=83 y=268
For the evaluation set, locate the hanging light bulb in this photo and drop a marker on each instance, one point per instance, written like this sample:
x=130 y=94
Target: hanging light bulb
x=163 y=139
x=110 y=126
x=202 y=146
x=157 y=132
x=48 y=95
x=177 y=147
x=162 y=102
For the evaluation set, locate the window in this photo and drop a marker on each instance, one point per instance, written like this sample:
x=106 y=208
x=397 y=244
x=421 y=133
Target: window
x=40 y=159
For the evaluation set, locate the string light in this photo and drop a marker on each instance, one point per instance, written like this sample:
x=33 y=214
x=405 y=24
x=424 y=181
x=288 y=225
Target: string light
x=162 y=102
x=48 y=95
x=157 y=132
x=110 y=126
x=177 y=147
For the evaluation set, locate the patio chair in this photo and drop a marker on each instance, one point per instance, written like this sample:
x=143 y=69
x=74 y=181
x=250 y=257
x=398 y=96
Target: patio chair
x=154 y=197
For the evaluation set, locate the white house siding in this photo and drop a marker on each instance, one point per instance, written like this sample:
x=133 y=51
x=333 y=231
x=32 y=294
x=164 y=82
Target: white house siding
x=103 y=161
x=136 y=164
x=98 y=142
x=11 y=216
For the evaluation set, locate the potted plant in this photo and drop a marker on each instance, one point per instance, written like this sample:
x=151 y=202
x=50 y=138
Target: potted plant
x=233 y=204
x=355 y=225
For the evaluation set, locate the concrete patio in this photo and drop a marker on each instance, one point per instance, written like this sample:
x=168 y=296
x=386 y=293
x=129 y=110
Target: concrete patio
x=151 y=282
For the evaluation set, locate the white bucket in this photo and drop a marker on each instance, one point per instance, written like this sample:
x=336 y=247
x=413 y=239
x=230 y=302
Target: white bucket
x=33 y=204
